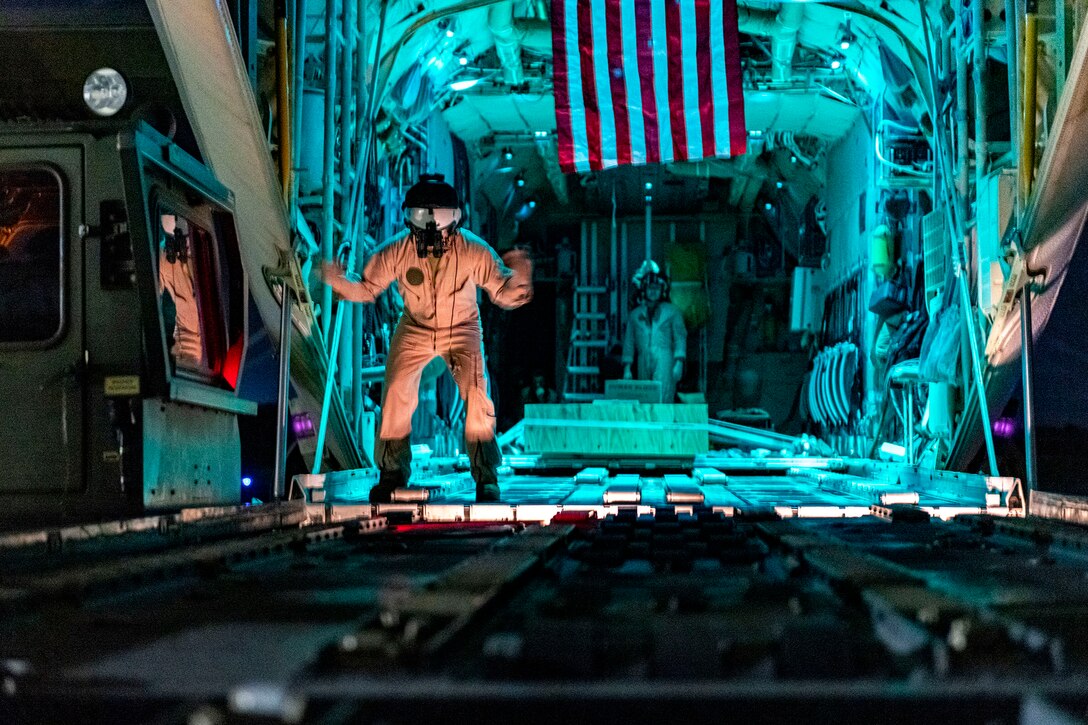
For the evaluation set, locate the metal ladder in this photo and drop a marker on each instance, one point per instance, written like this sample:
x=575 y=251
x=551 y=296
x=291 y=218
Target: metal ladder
x=589 y=340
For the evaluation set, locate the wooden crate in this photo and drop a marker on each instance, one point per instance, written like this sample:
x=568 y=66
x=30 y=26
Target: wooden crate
x=616 y=429
x=637 y=391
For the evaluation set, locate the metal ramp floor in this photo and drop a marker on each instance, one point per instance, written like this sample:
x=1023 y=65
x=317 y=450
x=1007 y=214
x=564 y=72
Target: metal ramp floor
x=648 y=613
x=788 y=488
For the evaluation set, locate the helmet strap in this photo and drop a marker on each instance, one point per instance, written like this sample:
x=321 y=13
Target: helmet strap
x=429 y=240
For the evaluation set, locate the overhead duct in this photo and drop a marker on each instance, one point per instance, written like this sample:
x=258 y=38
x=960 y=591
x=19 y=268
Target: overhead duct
x=784 y=39
x=535 y=34
x=782 y=28
x=500 y=20
x=756 y=22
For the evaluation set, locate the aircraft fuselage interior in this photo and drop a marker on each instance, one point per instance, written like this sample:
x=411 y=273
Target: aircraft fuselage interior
x=394 y=359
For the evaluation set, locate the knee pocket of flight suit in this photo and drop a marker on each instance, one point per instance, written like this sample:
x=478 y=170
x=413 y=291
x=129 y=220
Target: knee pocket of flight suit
x=480 y=416
x=471 y=381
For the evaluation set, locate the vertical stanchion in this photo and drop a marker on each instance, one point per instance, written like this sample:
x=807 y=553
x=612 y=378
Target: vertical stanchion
x=981 y=100
x=976 y=363
x=583 y=257
x=347 y=115
x=283 y=96
x=649 y=229
x=1012 y=29
x=330 y=381
x=624 y=277
x=613 y=271
x=279 y=484
x=298 y=63
x=1027 y=352
x=909 y=427
x=328 y=176
x=1027 y=127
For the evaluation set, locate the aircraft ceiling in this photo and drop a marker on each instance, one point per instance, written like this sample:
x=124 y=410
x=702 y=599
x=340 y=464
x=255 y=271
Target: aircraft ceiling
x=801 y=85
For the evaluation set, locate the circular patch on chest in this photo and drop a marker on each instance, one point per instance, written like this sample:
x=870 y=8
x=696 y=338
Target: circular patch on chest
x=414 y=275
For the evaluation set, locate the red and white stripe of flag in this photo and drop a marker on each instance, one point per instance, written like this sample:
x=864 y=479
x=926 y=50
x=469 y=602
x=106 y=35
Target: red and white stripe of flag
x=646 y=81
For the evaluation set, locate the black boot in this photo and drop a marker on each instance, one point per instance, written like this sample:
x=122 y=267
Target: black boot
x=395 y=466
x=484 y=459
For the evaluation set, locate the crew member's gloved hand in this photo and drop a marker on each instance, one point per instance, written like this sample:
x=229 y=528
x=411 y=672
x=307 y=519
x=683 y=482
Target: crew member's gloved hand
x=518 y=260
x=627 y=372
x=336 y=278
x=678 y=370
x=522 y=266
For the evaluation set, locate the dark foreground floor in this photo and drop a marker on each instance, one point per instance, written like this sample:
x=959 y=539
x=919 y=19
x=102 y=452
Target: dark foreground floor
x=656 y=616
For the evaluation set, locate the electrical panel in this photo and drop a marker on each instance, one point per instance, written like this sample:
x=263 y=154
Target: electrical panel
x=807 y=299
x=906 y=156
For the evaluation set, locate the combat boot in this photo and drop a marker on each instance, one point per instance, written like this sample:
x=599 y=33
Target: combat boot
x=484 y=459
x=395 y=464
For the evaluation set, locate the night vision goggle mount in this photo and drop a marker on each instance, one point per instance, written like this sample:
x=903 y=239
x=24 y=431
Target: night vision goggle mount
x=432 y=213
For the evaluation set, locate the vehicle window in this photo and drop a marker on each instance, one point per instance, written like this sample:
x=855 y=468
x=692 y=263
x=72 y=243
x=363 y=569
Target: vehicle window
x=31 y=281
x=189 y=289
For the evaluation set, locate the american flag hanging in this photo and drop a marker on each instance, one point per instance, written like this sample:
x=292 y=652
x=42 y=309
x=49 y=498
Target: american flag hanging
x=646 y=81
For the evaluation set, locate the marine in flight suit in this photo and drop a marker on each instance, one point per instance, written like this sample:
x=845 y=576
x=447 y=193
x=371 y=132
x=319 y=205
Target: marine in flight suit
x=655 y=337
x=438 y=268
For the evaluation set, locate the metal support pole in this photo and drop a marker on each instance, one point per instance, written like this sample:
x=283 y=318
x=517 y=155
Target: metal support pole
x=594 y=277
x=344 y=369
x=704 y=329
x=1027 y=353
x=347 y=98
x=330 y=381
x=624 y=279
x=328 y=220
x=279 y=484
x=361 y=60
x=1012 y=54
x=962 y=157
x=358 y=230
x=1027 y=130
x=348 y=341
x=283 y=104
x=649 y=230
x=1063 y=40
x=328 y=178
x=976 y=365
x=908 y=429
x=613 y=271
x=583 y=259
x=594 y=265
x=982 y=159
x=357 y=366
x=297 y=76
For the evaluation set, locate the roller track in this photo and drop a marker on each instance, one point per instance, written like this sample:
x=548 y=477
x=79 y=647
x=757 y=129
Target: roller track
x=259 y=615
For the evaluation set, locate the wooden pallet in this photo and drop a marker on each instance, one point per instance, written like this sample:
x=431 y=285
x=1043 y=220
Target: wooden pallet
x=616 y=429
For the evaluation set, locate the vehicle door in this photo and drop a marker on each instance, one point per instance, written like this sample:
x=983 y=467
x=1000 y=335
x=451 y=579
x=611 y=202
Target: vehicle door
x=41 y=301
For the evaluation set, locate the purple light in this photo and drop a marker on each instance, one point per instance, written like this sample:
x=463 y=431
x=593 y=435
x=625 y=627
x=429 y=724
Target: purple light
x=1004 y=427
x=303 y=426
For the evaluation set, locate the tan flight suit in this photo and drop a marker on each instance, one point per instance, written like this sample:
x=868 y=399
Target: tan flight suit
x=176 y=279
x=658 y=344
x=440 y=319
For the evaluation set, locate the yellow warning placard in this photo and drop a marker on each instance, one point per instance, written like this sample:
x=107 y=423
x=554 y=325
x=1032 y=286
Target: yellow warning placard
x=118 y=386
